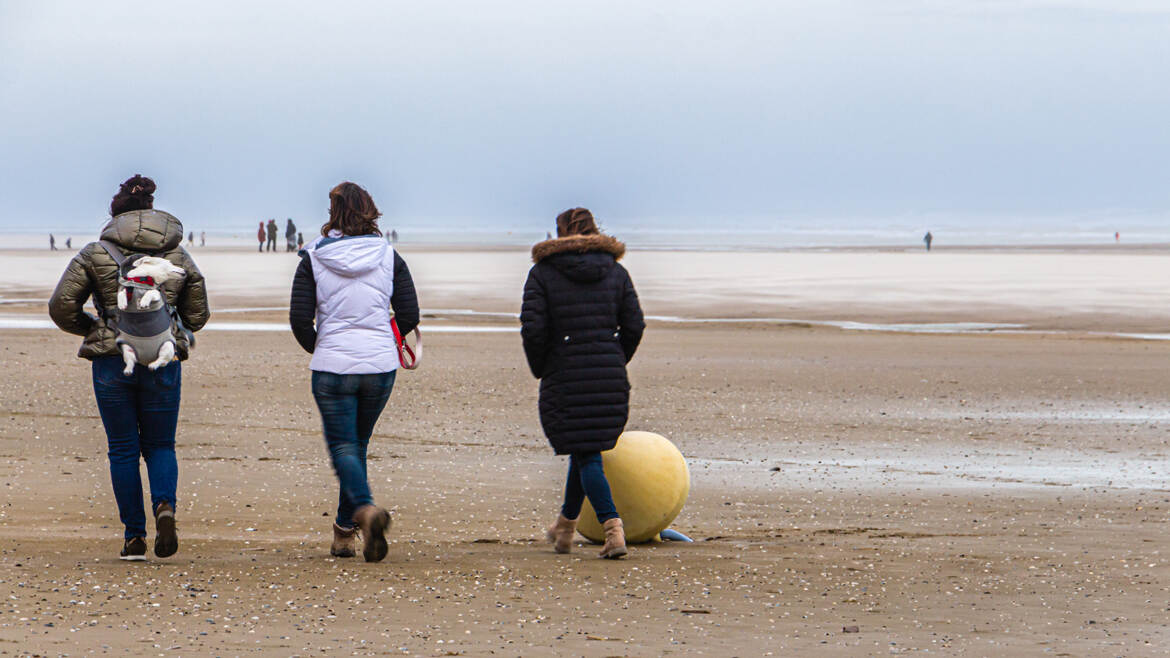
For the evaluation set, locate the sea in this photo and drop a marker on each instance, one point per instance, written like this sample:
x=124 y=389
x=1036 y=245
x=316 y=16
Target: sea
x=717 y=234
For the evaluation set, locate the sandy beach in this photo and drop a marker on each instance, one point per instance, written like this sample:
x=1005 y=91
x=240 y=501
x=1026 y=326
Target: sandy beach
x=957 y=493
x=1106 y=289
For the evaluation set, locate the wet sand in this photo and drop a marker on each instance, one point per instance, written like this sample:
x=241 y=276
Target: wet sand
x=963 y=495
x=1110 y=289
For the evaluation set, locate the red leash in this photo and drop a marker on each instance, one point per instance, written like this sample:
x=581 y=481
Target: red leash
x=407 y=356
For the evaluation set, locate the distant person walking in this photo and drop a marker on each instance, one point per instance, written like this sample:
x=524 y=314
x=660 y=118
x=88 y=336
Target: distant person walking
x=272 y=231
x=140 y=411
x=1117 y=236
x=191 y=239
x=300 y=241
x=581 y=323
x=928 y=238
x=69 y=242
x=260 y=236
x=52 y=243
x=394 y=236
x=347 y=281
x=202 y=238
x=290 y=236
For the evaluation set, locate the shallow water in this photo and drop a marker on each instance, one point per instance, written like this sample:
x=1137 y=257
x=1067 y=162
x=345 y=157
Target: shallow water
x=431 y=328
x=926 y=469
x=29 y=322
x=20 y=321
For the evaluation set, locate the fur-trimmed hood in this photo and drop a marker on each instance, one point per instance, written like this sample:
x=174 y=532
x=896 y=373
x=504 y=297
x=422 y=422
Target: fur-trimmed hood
x=579 y=244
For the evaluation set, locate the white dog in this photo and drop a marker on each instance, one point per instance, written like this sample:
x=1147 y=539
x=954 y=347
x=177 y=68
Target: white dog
x=142 y=321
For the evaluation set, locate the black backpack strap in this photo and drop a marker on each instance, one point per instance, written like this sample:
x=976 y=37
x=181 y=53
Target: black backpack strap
x=112 y=249
x=114 y=252
x=178 y=323
x=175 y=312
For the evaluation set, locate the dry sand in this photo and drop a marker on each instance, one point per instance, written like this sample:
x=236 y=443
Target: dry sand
x=974 y=495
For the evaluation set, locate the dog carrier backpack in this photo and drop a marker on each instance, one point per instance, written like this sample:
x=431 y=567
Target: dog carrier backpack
x=144 y=329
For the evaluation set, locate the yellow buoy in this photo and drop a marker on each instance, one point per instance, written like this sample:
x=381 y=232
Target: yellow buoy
x=650 y=482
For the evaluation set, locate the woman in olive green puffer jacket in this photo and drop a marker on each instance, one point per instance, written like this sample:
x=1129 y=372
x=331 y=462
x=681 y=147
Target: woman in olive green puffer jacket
x=94 y=272
x=139 y=411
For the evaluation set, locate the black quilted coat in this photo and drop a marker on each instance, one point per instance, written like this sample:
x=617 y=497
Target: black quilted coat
x=581 y=323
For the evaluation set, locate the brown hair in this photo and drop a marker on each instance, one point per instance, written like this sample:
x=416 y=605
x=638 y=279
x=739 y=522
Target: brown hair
x=576 y=221
x=351 y=211
x=137 y=193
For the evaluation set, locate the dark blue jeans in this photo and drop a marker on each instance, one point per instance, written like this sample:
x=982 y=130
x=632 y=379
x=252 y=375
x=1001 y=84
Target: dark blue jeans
x=350 y=406
x=140 y=412
x=587 y=478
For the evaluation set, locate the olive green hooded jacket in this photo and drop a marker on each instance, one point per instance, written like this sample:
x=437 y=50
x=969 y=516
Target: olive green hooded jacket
x=94 y=272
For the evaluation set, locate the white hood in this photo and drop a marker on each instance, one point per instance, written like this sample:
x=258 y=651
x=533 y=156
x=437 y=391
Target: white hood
x=350 y=256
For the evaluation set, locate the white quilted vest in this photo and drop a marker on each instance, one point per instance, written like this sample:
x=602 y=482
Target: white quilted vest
x=355 y=280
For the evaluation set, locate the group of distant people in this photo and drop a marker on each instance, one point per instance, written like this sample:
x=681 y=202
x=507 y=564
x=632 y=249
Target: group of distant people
x=190 y=240
x=294 y=240
x=266 y=235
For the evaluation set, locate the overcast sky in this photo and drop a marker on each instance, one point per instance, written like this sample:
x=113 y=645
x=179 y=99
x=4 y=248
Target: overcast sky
x=458 y=112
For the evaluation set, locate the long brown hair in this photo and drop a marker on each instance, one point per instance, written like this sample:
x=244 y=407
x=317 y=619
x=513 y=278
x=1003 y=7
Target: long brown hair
x=351 y=211
x=137 y=193
x=576 y=221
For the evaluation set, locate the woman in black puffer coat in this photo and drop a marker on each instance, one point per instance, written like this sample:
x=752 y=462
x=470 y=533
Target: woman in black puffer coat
x=581 y=323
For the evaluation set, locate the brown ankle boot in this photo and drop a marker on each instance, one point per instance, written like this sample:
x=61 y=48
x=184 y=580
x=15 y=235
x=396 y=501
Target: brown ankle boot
x=166 y=541
x=344 y=542
x=560 y=535
x=615 y=540
x=374 y=522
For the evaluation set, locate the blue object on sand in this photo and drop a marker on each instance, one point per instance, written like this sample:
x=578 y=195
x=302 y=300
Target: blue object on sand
x=673 y=535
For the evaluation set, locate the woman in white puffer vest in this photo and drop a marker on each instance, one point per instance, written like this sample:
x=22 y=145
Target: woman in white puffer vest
x=346 y=283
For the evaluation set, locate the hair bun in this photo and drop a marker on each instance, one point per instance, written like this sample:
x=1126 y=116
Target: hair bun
x=138 y=185
x=137 y=193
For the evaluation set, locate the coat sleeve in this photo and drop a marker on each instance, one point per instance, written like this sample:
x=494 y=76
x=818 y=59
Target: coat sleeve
x=302 y=306
x=534 y=324
x=66 y=304
x=630 y=320
x=193 y=307
x=404 y=301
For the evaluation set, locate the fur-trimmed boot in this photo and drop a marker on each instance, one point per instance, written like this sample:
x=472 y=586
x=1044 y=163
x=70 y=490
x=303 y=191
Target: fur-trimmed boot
x=615 y=540
x=374 y=522
x=344 y=541
x=560 y=535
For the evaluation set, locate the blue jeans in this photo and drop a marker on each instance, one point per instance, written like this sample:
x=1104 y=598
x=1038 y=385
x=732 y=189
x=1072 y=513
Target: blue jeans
x=587 y=478
x=140 y=412
x=350 y=406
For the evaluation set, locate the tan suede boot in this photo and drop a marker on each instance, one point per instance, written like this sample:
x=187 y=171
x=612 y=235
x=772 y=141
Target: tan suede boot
x=615 y=540
x=560 y=535
x=344 y=542
x=374 y=522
